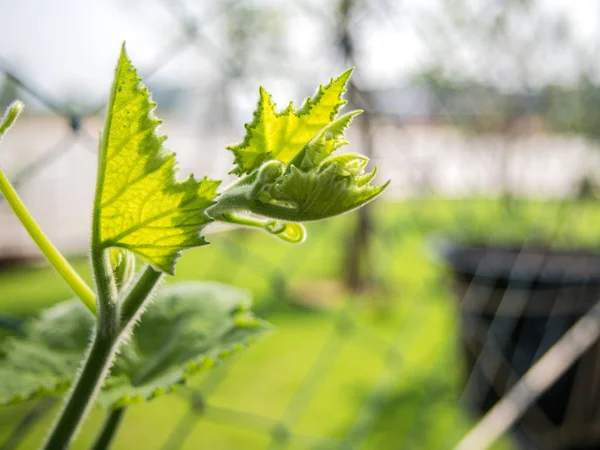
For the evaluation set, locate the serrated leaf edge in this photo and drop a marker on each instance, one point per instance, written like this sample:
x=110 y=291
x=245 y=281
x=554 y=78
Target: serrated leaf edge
x=205 y=185
x=190 y=368
x=195 y=366
x=306 y=107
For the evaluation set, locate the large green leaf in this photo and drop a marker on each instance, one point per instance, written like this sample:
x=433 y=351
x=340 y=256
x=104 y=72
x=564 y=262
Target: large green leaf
x=140 y=206
x=187 y=328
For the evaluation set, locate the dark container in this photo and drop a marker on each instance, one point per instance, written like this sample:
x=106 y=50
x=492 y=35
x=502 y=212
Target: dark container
x=515 y=303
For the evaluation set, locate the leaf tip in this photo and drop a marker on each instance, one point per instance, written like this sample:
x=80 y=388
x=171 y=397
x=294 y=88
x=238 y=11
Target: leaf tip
x=12 y=113
x=344 y=77
x=123 y=54
x=16 y=106
x=381 y=188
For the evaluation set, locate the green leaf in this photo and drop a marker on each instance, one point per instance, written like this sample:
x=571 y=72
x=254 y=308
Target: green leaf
x=122 y=264
x=287 y=168
x=188 y=327
x=336 y=187
x=139 y=204
x=273 y=135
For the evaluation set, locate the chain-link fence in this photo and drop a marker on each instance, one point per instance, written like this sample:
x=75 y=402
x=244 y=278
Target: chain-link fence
x=371 y=350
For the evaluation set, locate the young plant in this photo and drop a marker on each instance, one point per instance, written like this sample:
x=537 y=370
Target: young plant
x=287 y=174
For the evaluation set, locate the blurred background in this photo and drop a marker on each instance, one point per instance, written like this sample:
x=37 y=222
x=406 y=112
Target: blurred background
x=398 y=326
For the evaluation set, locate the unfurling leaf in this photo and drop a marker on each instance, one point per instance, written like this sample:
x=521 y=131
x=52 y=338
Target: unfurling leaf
x=122 y=264
x=287 y=168
x=140 y=206
x=188 y=327
x=317 y=185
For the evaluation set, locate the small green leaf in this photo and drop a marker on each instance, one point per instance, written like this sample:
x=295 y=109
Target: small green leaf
x=188 y=327
x=318 y=185
x=122 y=264
x=139 y=204
x=273 y=135
x=338 y=186
x=287 y=168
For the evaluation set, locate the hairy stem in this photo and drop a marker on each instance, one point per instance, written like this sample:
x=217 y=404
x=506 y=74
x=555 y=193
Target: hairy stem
x=84 y=391
x=99 y=358
x=239 y=198
x=109 y=429
x=102 y=352
x=293 y=233
x=136 y=299
x=107 y=293
x=58 y=261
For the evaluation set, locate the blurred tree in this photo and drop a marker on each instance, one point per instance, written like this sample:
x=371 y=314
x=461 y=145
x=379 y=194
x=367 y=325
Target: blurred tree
x=254 y=45
x=490 y=60
x=236 y=42
x=579 y=111
x=575 y=110
x=357 y=258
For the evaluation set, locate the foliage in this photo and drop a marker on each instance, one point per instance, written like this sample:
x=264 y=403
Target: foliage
x=189 y=327
x=416 y=299
x=287 y=175
x=287 y=170
x=142 y=208
x=573 y=110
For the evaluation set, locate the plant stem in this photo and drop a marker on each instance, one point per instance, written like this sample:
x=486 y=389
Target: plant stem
x=139 y=295
x=58 y=261
x=101 y=355
x=239 y=199
x=109 y=430
x=98 y=360
x=85 y=389
x=293 y=233
x=107 y=293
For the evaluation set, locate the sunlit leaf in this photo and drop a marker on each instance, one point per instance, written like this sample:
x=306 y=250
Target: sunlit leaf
x=287 y=168
x=281 y=135
x=140 y=206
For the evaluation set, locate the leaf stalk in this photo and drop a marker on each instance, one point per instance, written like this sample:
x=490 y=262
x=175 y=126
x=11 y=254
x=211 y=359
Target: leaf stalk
x=107 y=338
x=136 y=299
x=85 y=389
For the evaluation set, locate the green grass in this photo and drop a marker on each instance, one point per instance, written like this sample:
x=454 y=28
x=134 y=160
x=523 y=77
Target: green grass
x=390 y=374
